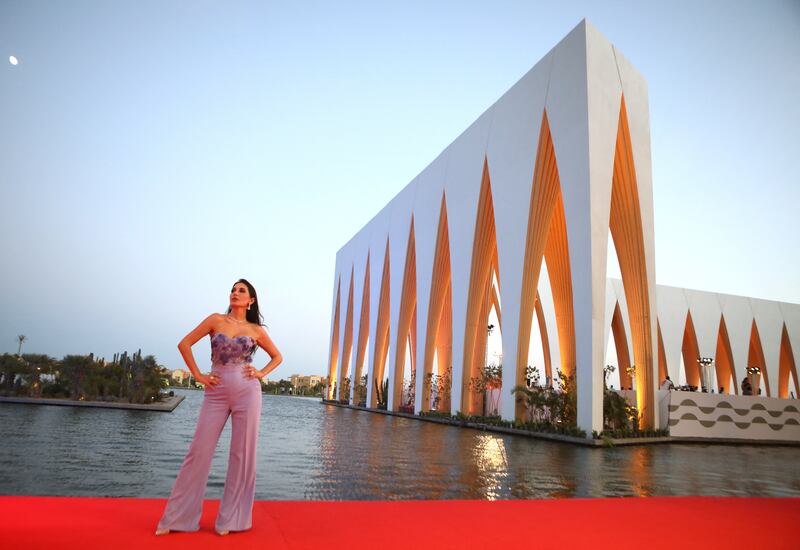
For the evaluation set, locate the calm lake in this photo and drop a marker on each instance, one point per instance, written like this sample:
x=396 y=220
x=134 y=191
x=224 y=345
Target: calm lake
x=312 y=451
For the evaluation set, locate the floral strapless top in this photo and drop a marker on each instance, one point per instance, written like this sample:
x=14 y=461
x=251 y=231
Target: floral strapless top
x=231 y=351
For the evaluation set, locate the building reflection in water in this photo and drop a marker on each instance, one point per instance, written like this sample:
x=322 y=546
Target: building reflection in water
x=373 y=456
x=490 y=460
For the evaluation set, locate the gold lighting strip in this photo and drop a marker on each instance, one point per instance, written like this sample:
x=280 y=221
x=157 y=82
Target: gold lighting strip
x=621 y=347
x=691 y=352
x=363 y=328
x=408 y=304
x=348 y=335
x=484 y=252
x=381 y=329
x=787 y=366
x=334 y=358
x=437 y=338
x=626 y=230
x=545 y=189
x=556 y=254
x=726 y=374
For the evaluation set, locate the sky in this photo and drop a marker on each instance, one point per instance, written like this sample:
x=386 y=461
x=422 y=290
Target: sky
x=152 y=153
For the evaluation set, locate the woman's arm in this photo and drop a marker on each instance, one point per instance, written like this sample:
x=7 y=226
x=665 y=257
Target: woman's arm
x=266 y=343
x=185 y=345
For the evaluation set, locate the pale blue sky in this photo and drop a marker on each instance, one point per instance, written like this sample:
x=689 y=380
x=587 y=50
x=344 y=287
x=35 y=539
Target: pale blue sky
x=151 y=153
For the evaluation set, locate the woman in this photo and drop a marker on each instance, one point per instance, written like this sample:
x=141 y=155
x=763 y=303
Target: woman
x=231 y=388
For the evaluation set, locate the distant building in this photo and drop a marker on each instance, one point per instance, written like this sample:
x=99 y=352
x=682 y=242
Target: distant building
x=179 y=375
x=298 y=381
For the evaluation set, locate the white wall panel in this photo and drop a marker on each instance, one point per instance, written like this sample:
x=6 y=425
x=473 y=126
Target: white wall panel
x=769 y=321
x=427 y=207
x=672 y=311
x=399 y=227
x=359 y=257
x=739 y=322
x=706 y=313
x=378 y=235
x=465 y=158
x=512 y=149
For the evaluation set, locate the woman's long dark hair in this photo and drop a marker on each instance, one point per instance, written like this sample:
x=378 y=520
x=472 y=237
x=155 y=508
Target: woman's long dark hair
x=252 y=315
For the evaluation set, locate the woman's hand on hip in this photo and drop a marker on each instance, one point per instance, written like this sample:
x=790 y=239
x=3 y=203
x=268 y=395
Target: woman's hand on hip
x=251 y=372
x=210 y=379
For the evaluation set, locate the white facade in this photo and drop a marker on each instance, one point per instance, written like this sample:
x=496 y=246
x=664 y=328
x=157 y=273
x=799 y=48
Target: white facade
x=540 y=177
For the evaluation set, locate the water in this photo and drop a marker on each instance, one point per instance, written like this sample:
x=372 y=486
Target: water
x=313 y=451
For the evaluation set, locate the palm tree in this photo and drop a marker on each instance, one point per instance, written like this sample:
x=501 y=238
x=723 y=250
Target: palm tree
x=21 y=338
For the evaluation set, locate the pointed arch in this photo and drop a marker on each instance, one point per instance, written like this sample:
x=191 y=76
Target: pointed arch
x=363 y=328
x=626 y=231
x=348 y=338
x=691 y=352
x=334 y=357
x=381 y=329
x=444 y=350
x=484 y=258
x=621 y=346
x=662 y=356
x=408 y=305
x=438 y=333
x=545 y=193
x=556 y=255
x=756 y=358
x=723 y=361
x=787 y=367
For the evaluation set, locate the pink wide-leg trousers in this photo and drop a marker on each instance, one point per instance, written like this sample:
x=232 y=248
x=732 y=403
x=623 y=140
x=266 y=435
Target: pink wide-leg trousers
x=240 y=397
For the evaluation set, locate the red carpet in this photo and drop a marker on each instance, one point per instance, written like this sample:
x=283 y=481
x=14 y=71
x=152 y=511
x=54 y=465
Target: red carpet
x=657 y=522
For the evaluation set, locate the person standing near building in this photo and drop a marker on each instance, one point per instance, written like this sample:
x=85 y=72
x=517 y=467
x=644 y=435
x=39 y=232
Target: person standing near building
x=232 y=388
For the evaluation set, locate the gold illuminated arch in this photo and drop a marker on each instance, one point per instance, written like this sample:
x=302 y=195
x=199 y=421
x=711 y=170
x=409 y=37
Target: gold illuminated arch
x=787 y=367
x=663 y=372
x=484 y=258
x=406 y=325
x=363 y=328
x=626 y=231
x=546 y=239
x=621 y=347
x=691 y=352
x=348 y=338
x=334 y=358
x=439 y=333
x=381 y=330
x=756 y=358
x=723 y=361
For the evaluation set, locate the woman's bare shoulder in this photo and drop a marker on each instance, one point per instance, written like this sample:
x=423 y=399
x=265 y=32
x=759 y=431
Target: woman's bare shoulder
x=214 y=320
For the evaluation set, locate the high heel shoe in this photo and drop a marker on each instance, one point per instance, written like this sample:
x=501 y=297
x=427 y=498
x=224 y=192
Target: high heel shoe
x=223 y=532
x=163 y=531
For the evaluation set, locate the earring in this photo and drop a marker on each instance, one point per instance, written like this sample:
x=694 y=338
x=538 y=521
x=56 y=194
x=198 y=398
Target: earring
x=248 y=306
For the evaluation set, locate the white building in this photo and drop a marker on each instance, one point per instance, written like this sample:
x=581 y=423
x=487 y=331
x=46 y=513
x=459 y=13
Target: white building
x=535 y=186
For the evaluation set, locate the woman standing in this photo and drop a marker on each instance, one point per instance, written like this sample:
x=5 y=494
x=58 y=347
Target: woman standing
x=232 y=388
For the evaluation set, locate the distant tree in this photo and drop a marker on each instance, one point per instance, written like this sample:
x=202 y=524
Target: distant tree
x=75 y=373
x=38 y=364
x=10 y=367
